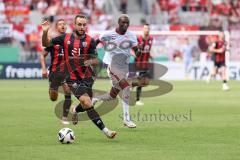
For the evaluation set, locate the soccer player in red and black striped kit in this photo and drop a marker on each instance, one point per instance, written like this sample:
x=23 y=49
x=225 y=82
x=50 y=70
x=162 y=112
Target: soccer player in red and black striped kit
x=80 y=57
x=218 y=49
x=57 y=74
x=142 y=61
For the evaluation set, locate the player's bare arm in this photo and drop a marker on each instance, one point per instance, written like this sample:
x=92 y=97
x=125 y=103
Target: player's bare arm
x=43 y=64
x=45 y=39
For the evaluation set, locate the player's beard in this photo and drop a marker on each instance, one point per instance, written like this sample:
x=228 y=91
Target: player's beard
x=123 y=30
x=78 y=34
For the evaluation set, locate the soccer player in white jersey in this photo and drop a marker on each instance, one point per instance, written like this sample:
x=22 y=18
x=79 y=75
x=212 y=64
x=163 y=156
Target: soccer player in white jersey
x=118 y=44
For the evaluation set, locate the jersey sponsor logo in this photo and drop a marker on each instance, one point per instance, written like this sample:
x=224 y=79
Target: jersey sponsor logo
x=84 y=44
x=111 y=46
x=60 y=54
x=146 y=48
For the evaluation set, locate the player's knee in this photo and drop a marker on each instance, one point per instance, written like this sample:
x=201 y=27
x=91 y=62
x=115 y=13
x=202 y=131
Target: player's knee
x=66 y=89
x=53 y=95
x=53 y=98
x=86 y=102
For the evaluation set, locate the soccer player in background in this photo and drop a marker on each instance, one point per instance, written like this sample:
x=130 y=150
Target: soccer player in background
x=142 y=61
x=57 y=73
x=187 y=51
x=118 y=44
x=218 y=49
x=211 y=41
x=80 y=57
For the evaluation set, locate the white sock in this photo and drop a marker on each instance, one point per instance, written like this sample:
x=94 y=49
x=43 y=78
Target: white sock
x=125 y=103
x=74 y=109
x=105 y=130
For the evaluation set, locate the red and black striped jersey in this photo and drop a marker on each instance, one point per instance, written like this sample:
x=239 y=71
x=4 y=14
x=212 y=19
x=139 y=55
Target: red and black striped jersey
x=141 y=61
x=57 y=58
x=220 y=57
x=86 y=49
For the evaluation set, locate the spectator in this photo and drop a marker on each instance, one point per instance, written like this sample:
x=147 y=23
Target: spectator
x=2 y=9
x=123 y=6
x=42 y=5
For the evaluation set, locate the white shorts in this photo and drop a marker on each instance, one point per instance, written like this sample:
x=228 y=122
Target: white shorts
x=116 y=76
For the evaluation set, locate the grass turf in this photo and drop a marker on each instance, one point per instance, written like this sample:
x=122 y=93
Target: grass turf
x=209 y=131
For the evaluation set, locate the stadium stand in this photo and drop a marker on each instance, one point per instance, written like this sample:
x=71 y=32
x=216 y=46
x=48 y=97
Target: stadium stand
x=20 y=22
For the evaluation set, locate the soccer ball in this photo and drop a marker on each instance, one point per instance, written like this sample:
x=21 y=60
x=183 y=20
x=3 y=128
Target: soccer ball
x=66 y=136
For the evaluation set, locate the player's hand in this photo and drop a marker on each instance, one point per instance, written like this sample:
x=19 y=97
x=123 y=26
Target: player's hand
x=45 y=26
x=74 y=51
x=44 y=73
x=88 y=62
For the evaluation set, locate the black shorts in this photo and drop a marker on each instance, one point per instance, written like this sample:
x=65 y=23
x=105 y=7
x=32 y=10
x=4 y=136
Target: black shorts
x=144 y=73
x=219 y=64
x=80 y=87
x=56 y=79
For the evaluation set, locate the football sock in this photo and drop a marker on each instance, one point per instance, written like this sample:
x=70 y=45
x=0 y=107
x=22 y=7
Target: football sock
x=79 y=108
x=94 y=116
x=125 y=103
x=139 y=90
x=66 y=105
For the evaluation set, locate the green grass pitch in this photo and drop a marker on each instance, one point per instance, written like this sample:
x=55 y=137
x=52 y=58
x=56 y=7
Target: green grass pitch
x=210 y=129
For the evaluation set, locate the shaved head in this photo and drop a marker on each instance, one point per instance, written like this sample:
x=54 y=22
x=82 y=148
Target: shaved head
x=123 y=23
x=122 y=17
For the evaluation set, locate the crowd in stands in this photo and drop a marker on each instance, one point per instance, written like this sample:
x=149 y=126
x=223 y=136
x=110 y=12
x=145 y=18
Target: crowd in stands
x=27 y=33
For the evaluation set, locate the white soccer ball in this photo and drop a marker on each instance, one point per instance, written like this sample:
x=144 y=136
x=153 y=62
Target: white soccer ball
x=66 y=136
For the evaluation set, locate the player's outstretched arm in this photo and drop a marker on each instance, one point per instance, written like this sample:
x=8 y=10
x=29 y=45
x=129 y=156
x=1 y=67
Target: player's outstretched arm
x=43 y=64
x=45 y=39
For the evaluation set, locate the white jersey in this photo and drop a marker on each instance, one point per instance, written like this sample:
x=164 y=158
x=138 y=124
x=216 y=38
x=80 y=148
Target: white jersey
x=118 y=48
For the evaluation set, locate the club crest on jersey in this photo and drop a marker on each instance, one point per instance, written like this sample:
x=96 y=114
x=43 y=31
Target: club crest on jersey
x=84 y=44
x=68 y=42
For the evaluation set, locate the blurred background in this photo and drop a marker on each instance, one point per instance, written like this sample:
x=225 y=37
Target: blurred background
x=174 y=24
